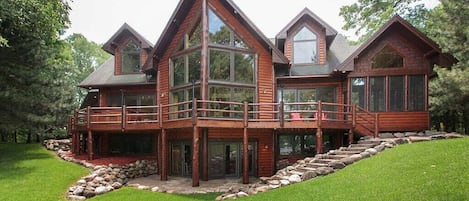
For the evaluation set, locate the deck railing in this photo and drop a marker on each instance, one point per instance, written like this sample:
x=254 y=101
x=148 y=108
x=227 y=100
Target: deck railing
x=125 y=117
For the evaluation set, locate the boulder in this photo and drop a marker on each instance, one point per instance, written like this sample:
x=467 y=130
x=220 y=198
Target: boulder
x=155 y=189
x=76 y=197
x=241 y=194
x=308 y=175
x=336 y=164
x=101 y=189
x=372 y=151
x=294 y=178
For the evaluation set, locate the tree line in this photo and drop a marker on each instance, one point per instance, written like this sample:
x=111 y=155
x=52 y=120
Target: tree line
x=39 y=71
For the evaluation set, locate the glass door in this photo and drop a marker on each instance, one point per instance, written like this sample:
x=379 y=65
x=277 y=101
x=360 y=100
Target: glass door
x=226 y=159
x=181 y=159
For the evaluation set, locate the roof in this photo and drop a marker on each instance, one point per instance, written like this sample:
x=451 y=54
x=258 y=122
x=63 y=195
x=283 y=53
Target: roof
x=109 y=46
x=104 y=76
x=347 y=65
x=180 y=14
x=308 y=13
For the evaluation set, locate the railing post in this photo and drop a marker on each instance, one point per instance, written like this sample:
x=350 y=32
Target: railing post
x=376 y=125
x=281 y=114
x=194 y=111
x=88 y=117
x=160 y=115
x=245 y=145
x=123 y=117
x=354 y=115
x=319 y=114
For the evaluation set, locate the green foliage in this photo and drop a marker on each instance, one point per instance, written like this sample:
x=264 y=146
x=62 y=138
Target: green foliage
x=34 y=78
x=29 y=172
x=449 y=27
x=87 y=57
x=449 y=98
x=367 y=16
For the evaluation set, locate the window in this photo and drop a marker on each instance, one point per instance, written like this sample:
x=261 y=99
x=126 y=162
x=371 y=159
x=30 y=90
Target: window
x=301 y=144
x=221 y=34
x=358 y=91
x=183 y=95
x=231 y=66
x=117 y=100
x=130 y=58
x=186 y=69
x=377 y=94
x=137 y=144
x=416 y=97
x=230 y=94
x=305 y=47
x=387 y=58
x=326 y=94
x=396 y=93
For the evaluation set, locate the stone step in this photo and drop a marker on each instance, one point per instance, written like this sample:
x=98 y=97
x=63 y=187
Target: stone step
x=362 y=145
x=336 y=156
x=317 y=165
x=359 y=149
x=348 y=153
x=324 y=160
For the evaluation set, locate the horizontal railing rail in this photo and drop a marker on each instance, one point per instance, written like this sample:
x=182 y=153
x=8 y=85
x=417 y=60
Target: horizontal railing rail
x=157 y=115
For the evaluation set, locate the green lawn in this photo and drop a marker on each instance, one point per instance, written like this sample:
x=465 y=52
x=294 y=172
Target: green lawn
x=30 y=172
x=437 y=170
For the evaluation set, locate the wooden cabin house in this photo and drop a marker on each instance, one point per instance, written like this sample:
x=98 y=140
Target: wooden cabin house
x=216 y=98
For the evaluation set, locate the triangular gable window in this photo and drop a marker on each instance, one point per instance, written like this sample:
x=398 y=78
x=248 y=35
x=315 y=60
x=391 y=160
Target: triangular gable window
x=221 y=34
x=387 y=58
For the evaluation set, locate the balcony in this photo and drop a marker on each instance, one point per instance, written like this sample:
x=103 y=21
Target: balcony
x=220 y=114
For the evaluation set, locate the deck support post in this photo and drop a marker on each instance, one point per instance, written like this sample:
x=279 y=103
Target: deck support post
x=164 y=156
x=158 y=153
x=195 y=157
x=205 y=154
x=319 y=141
x=350 y=136
x=90 y=145
x=245 y=146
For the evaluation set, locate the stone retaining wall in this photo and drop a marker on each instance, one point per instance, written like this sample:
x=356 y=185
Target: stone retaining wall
x=103 y=178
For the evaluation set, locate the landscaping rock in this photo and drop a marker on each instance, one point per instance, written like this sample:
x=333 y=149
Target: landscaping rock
x=336 y=164
x=294 y=178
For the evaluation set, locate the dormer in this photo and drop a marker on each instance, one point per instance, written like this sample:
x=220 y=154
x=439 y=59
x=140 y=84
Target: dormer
x=305 y=40
x=130 y=50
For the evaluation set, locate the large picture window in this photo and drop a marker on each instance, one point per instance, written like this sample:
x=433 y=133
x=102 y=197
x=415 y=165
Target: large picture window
x=305 y=47
x=393 y=90
x=130 y=59
x=231 y=66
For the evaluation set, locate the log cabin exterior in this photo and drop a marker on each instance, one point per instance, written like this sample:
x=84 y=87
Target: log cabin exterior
x=216 y=98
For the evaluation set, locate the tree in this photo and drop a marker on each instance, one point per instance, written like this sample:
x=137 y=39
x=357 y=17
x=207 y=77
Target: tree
x=449 y=98
x=367 y=16
x=35 y=65
x=448 y=25
x=87 y=57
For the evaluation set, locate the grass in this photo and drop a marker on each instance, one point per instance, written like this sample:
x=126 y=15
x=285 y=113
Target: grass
x=30 y=172
x=436 y=170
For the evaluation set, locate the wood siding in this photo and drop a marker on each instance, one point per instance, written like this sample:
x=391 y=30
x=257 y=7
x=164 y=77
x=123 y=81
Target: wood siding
x=404 y=121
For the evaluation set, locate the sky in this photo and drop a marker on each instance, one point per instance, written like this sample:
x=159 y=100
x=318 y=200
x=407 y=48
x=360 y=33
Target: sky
x=98 y=20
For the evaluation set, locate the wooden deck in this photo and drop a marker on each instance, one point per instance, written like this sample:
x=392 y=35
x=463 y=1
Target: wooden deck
x=218 y=114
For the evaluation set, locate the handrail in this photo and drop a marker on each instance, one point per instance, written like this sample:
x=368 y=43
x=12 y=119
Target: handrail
x=282 y=112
